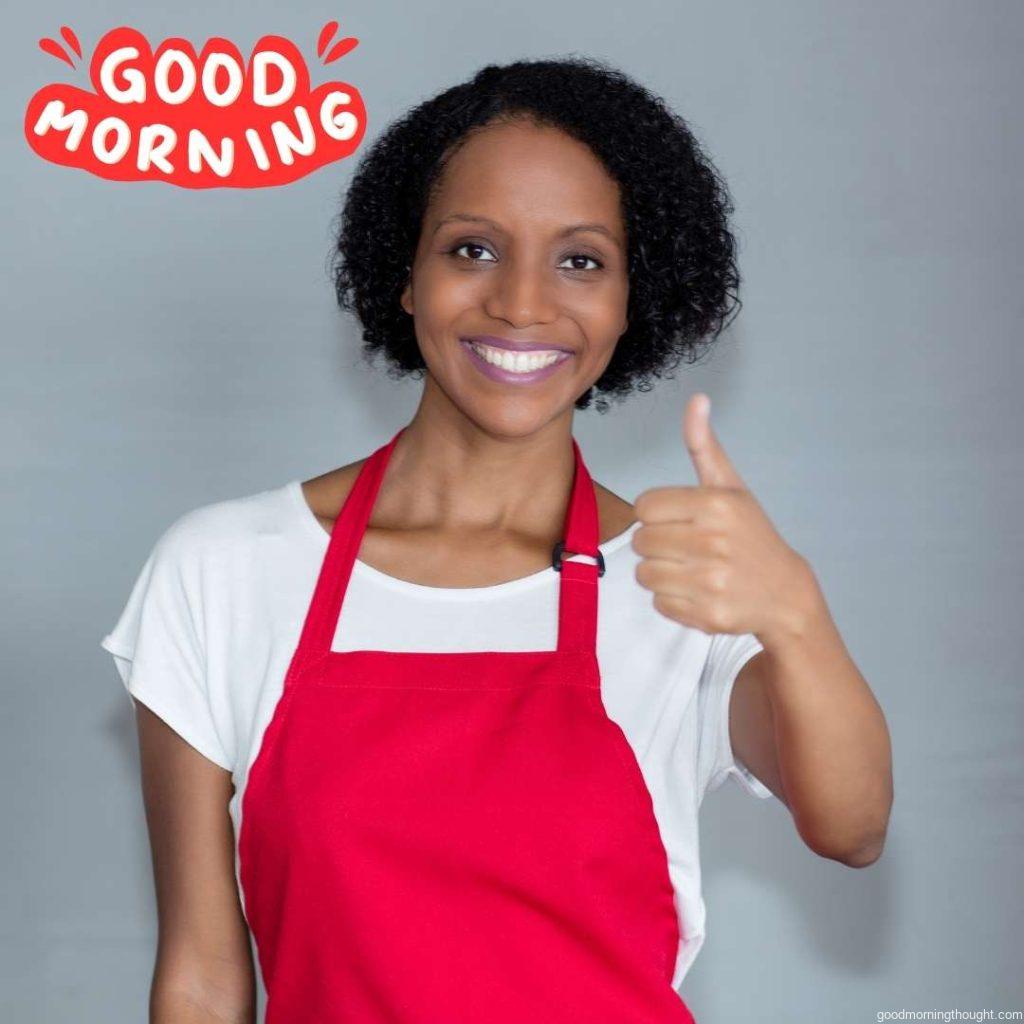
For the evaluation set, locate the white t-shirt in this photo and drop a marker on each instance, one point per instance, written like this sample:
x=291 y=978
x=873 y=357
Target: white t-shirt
x=214 y=617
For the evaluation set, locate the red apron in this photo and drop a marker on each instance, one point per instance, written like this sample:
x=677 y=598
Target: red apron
x=455 y=838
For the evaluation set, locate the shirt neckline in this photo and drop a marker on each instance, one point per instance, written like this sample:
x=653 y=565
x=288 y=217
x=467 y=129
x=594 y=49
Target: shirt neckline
x=311 y=525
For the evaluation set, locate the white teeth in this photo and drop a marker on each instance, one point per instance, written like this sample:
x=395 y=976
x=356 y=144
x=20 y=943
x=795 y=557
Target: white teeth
x=517 y=362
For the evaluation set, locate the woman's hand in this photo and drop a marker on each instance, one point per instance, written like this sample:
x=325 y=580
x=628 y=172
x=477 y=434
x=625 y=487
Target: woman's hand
x=711 y=556
x=714 y=561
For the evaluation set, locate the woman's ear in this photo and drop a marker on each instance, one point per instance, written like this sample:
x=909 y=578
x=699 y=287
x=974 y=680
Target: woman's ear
x=406 y=298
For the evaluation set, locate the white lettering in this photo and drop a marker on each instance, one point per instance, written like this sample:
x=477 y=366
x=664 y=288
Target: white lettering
x=155 y=152
x=260 y=63
x=104 y=153
x=341 y=126
x=287 y=143
x=136 y=90
x=199 y=149
x=235 y=78
x=257 y=148
x=162 y=77
x=53 y=116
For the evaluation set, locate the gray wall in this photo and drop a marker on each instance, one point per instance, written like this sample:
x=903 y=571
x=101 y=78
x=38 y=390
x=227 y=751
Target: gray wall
x=166 y=348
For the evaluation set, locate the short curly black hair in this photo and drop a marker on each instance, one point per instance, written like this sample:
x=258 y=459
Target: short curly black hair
x=683 y=277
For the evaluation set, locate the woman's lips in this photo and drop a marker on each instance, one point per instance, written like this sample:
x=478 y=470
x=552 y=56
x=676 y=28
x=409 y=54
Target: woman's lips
x=510 y=376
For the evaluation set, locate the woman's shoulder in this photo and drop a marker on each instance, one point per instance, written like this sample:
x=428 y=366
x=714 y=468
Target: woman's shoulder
x=326 y=493
x=227 y=524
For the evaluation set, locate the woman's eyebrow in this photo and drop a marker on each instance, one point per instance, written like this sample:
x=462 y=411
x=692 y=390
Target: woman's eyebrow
x=569 y=230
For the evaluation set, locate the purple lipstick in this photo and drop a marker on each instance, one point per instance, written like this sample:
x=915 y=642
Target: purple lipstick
x=514 y=362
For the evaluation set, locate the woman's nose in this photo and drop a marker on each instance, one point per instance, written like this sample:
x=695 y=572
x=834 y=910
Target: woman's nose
x=521 y=294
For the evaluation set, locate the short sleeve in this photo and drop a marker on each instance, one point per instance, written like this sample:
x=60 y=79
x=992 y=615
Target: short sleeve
x=727 y=654
x=157 y=643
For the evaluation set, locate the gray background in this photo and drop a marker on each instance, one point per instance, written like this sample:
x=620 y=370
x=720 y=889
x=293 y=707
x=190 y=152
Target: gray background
x=165 y=348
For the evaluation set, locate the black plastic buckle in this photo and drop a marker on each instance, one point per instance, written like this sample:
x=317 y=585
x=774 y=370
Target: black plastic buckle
x=559 y=550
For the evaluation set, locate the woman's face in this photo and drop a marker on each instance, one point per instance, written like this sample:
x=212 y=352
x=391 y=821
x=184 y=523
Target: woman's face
x=523 y=242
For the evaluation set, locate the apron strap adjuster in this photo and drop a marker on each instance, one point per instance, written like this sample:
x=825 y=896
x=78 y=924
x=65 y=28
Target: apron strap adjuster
x=559 y=550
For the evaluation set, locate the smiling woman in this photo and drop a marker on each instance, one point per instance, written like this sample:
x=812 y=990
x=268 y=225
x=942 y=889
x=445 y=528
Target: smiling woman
x=500 y=243
x=566 y=162
x=447 y=703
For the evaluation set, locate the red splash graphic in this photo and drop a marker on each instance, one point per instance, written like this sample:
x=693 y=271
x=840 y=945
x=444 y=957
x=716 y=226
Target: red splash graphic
x=54 y=49
x=211 y=120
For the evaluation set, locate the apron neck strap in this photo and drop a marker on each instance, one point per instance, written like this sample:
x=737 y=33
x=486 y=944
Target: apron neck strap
x=577 y=607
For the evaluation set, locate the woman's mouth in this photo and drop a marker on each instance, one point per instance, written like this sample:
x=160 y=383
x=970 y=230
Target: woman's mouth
x=512 y=367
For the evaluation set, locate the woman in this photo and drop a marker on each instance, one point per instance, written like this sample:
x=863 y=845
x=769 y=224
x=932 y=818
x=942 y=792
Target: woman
x=468 y=700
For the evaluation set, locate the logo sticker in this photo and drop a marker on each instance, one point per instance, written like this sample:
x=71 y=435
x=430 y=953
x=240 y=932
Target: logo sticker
x=209 y=121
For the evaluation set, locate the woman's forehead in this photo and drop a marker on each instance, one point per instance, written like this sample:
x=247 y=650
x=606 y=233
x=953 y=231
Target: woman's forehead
x=512 y=175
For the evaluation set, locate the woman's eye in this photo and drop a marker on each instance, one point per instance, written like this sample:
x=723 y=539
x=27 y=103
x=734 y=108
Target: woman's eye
x=584 y=256
x=475 y=249
x=470 y=245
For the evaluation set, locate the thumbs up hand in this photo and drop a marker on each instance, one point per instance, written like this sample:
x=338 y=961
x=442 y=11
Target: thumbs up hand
x=711 y=557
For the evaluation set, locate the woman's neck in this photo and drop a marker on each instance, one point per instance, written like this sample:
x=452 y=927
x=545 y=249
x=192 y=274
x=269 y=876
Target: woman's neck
x=453 y=476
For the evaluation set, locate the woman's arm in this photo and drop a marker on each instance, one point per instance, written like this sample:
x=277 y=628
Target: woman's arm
x=804 y=720
x=204 y=971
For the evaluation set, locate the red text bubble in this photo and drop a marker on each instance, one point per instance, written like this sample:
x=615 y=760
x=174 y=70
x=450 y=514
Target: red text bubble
x=211 y=120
